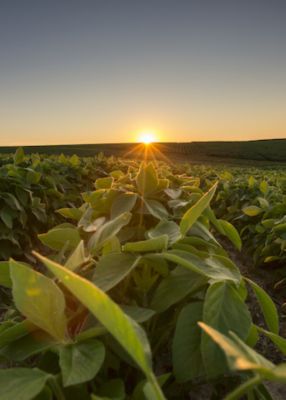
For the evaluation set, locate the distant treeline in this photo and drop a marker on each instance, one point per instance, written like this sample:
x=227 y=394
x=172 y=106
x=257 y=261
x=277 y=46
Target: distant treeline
x=259 y=150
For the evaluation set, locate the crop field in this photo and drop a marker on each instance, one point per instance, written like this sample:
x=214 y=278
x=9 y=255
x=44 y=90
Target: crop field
x=123 y=279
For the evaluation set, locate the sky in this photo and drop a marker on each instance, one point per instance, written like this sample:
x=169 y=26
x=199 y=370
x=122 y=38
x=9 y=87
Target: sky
x=99 y=71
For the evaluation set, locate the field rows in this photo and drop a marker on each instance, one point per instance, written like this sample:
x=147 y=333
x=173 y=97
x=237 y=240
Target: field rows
x=116 y=280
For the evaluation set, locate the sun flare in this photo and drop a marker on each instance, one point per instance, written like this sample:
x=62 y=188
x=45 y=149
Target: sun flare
x=147 y=137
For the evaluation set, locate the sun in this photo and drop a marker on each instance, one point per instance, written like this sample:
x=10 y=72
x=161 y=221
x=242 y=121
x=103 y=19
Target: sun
x=147 y=137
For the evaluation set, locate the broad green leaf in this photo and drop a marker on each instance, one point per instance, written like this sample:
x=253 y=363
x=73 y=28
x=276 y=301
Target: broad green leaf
x=112 y=245
x=210 y=268
x=231 y=232
x=33 y=177
x=252 y=211
x=113 y=268
x=157 y=262
x=15 y=332
x=280 y=230
x=21 y=383
x=125 y=202
x=72 y=213
x=80 y=362
x=156 y=209
x=74 y=160
x=177 y=285
x=147 y=180
x=157 y=244
x=139 y=314
x=163 y=184
x=7 y=217
x=117 y=174
x=19 y=156
x=131 y=337
x=239 y=355
x=27 y=346
x=224 y=310
x=107 y=231
x=263 y=202
x=5 y=279
x=77 y=257
x=57 y=238
x=253 y=336
x=191 y=216
x=45 y=394
x=164 y=227
x=104 y=183
x=263 y=187
x=173 y=193
x=251 y=182
x=186 y=351
x=267 y=306
x=39 y=299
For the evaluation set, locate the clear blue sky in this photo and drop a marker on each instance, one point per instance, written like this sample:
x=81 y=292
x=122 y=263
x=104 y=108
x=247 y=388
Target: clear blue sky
x=90 y=71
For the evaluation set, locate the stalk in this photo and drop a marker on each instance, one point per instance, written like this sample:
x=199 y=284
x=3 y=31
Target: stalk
x=59 y=395
x=156 y=388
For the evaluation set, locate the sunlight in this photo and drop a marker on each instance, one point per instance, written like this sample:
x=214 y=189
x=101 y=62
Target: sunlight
x=147 y=137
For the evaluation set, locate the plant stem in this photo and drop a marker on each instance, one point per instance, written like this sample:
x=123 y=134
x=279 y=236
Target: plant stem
x=156 y=388
x=56 y=389
x=244 y=388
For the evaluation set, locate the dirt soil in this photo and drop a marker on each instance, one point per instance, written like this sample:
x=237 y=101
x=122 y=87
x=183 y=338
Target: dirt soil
x=266 y=280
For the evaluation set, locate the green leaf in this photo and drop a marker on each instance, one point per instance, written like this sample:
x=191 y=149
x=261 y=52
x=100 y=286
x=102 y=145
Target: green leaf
x=72 y=213
x=251 y=182
x=253 y=336
x=5 y=279
x=239 y=355
x=186 y=351
x=147 y=180
x=130 y=335
x=223 y=310
x=19 y=156
x=267 y=306
x=21 y=383
x=177 y=285
x=104 y=183
x=231 y=232
x=280 y=230
x=107 y=231
x=156 y=209
x=169 y=228
x=113 y=268
x=263 y=187
x=57 y=238
x=157 y=244
x=33 y=177
x=15 y=332
x=39 y=299
x=125 y=202
x=211 y=268
x=139 y=314
x=7 y=217
x=80 y=362
x=191 y=216
x=252 y=211
x=27 y=346
x=77 y=258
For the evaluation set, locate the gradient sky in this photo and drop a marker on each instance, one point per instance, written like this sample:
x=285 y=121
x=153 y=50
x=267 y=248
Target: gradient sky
x=88 y=71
